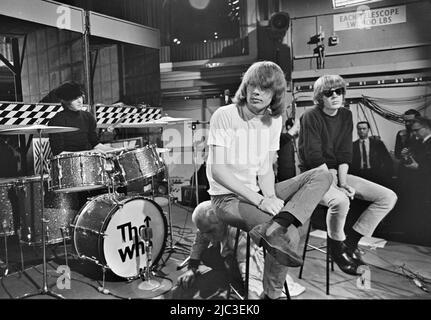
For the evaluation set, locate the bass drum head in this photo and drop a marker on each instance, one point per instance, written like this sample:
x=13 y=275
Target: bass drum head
x=123 y=248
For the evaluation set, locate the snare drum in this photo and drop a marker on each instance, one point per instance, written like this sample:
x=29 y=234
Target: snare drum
x=107 y=232
x=137 y=164
x=78 y=171
x=59 y=211
x=7 y=206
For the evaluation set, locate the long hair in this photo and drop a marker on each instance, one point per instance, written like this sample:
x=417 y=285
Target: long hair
x=324 y=83
x=265 y=75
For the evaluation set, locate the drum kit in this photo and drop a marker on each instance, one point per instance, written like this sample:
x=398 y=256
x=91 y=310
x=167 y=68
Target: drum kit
x=125 y=234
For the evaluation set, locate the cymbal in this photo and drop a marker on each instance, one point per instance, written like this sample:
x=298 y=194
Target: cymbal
x=147 y=124
x=36 y=128
x=173 y=120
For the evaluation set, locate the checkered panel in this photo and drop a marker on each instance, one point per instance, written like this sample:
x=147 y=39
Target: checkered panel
x=27 y=114
x=106 y=114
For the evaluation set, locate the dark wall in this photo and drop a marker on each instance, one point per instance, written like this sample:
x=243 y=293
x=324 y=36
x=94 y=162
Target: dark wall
x=51 y=57
x=146 y=12
x=141 y=74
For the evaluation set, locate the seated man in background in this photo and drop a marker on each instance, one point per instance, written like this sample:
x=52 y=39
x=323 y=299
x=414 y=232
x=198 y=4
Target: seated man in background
x=212 y=230
x=371 y=160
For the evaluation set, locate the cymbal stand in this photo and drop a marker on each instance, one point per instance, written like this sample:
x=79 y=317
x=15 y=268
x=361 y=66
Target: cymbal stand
x=44 y=290
x=195 y=162
x=63 y=234
x=172 y=248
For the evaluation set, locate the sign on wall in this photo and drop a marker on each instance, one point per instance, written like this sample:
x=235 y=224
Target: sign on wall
x=365 y=18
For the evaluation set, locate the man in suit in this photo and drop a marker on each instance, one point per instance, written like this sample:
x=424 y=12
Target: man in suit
x=371 y=160
x=421 y=164
x=406 y=142
x=226 y=99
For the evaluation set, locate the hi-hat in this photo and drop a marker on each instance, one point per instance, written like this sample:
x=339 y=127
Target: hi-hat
x=173 y=120
x=36 y=128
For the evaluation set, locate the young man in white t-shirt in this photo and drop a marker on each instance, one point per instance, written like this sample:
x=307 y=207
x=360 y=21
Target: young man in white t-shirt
x=243 y=140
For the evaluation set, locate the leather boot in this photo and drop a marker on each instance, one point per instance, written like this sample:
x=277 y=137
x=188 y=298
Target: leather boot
x=356 y=255
x=280 y=242
x=339 y=254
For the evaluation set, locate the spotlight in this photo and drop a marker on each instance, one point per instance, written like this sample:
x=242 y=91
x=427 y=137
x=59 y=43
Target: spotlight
x=333 y=40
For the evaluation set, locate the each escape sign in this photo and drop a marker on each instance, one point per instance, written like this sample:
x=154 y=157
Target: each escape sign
x=365 y=18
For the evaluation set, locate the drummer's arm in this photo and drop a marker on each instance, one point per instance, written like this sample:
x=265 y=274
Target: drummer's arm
x=92 y=133
x=102 y=148
x=56 y=140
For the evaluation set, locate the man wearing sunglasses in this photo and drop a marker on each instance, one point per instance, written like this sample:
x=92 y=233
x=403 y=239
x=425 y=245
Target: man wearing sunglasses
x=326 y=139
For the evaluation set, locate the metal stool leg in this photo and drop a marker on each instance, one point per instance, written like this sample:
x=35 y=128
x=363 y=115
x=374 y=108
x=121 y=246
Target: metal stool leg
x=286 y=288
x=304 y=252
x=327 y=265
x=247 y=267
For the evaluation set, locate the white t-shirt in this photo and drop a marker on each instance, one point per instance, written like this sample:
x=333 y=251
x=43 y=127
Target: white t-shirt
x=246 y=144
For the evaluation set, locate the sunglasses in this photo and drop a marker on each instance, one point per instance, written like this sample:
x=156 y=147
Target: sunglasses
x=330 y=92
x=416 y=129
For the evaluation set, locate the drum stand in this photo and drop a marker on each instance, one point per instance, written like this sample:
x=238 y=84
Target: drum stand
x=44 y=290
x=5 y=263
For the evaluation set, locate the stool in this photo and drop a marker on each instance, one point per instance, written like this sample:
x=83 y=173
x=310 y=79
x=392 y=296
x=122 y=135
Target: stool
x=247 y=269
x=326 y=252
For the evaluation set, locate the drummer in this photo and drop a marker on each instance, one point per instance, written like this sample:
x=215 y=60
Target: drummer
x=71 y=96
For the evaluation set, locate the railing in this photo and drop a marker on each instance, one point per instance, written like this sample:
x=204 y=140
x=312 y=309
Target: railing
x=201 y=51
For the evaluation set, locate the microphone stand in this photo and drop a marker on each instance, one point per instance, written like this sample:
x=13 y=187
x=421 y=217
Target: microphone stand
x=148 y=283
x=194 y=157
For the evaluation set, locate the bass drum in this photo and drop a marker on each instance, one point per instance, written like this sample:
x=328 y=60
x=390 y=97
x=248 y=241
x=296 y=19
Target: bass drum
x=107 y=232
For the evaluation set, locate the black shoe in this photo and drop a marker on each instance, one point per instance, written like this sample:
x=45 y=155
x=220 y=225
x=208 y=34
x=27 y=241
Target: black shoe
x=339 y=254
x=280 y=242
x=356 y=255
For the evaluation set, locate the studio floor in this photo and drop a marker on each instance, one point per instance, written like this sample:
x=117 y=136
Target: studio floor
x=393 y=269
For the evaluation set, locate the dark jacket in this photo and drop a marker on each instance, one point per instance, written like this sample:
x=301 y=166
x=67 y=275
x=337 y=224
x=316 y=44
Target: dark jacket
x=380 y=159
